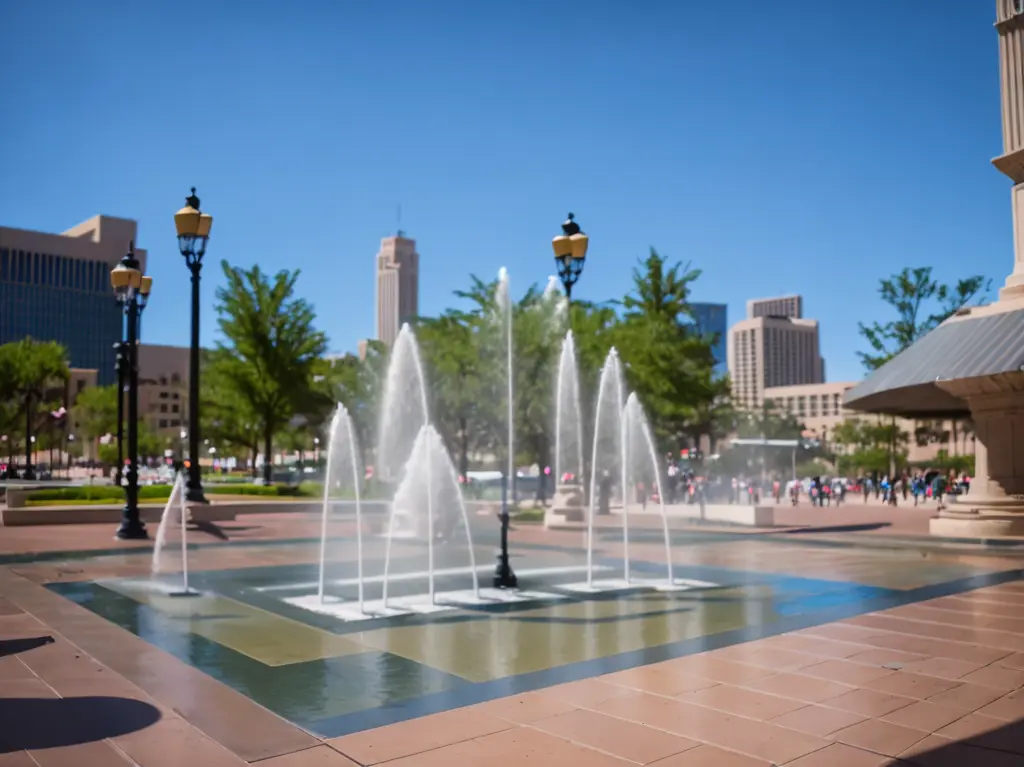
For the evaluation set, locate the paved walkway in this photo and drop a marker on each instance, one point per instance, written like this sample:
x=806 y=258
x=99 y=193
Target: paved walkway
x=931 y=684
x=937 y=683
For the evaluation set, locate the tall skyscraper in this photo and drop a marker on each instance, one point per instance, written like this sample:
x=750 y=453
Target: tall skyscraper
x=773 y=346
x=711 y=320
x=398 y=285
x=56 y=287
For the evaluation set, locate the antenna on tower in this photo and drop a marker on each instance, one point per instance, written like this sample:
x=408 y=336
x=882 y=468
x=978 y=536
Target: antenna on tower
x=400 y=232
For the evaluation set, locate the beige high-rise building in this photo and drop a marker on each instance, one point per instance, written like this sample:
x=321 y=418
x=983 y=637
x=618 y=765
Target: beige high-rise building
x=783 y=306
x=773 y=346
x=398 y=285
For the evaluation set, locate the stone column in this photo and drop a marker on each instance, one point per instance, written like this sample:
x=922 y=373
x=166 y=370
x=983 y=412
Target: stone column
x=1014 y=286
x=995 y=504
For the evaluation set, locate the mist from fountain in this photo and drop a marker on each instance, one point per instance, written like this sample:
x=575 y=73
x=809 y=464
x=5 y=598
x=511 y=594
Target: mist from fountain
x=641 y=461
x=404 y=411
x=430 y=467
x=505 y=309
x=342 y=474
x=568 y=415
x=607 y=456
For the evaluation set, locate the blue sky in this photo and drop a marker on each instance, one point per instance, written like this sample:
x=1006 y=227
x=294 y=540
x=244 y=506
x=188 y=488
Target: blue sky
x=794 y=146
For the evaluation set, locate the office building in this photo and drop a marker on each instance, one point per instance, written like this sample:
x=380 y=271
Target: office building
x=163 y=390
x=820 y=409
x=398 y=280
x=773 y=346
x=56 y=287
x=783 y=306
x=711 y=320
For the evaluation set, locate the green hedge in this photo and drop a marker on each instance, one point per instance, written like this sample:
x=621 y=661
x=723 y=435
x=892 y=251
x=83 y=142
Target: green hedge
x=115 y=494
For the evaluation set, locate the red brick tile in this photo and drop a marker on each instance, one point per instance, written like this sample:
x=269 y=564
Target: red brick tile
x=924 y=716
x=970 y=726
x=710 y=756
x=841 y=755
x=880 y=737
x=911 y=685
x=736 y=700
x=758 y=739
x=869 y=703
x=1009 y=708
x=527 y=707
x=614 y=736
x=846 y=672
x=945 y=668
x=998 y=676
x=818 y=720
x=969 y=697
x=318 y=756
x=799 y=687
x=416 y=735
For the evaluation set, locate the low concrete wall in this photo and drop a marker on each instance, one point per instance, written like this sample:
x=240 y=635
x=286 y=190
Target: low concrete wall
x=734 y=514
x=103 y=514
x=747 y=516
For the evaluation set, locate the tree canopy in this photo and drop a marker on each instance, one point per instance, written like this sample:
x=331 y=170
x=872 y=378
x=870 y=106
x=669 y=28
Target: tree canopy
x=921 y=303
x=265 y=361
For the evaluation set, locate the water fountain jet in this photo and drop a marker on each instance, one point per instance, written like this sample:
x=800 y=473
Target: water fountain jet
x=342 y=462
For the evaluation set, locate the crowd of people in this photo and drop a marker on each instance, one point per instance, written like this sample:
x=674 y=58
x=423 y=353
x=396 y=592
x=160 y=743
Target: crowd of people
x=684 y=484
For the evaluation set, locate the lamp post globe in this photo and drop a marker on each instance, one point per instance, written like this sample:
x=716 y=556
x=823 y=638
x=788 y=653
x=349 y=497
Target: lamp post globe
x=570 y=254
x=193 y=227
x=132 y=289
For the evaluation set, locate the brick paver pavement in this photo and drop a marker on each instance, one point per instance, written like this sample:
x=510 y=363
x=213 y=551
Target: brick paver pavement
x=934 y=683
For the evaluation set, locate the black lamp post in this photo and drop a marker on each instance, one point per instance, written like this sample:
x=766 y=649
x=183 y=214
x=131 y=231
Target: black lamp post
x=132 y=290
x=570 y=254
x=120 y=363
x=193 y=233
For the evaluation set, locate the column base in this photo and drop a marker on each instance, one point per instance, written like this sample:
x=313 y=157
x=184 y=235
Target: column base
x=566 y=506
x=975 y=517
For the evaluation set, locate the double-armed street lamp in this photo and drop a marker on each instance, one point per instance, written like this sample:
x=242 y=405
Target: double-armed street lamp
x=193 y=233
x=132 y=289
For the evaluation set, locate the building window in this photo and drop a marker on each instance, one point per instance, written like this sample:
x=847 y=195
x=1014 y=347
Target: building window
x=163 y=408
x=174 y=408
x=163 y=423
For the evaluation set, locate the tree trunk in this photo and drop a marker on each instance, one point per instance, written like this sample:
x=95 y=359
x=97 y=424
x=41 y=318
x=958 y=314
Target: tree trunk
x=268 y=461
x=956 y=439
x=254 y=451
x=464 y=449
x=28 y=437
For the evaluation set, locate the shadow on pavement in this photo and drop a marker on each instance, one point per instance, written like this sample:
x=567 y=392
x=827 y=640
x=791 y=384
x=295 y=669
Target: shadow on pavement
x=1002 y=747
x=840 y=528
x=15 y=646
x=37 y=723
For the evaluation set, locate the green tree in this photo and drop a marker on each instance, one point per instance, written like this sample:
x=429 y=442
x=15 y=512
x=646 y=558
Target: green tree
x=449 y=349
x=921 y=303
x=268 y=356
x=227 y=415
x=95 y=411
x=358 y=384
x=31 y=371
x=668 y=362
